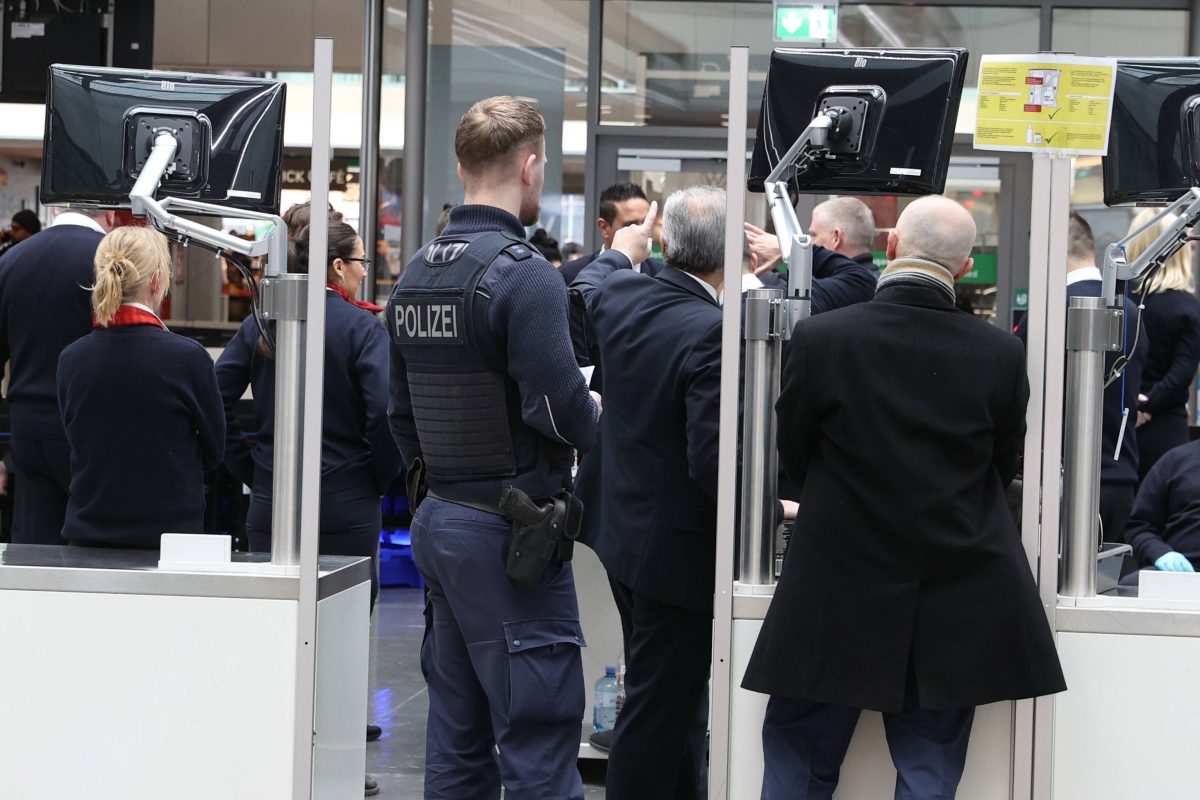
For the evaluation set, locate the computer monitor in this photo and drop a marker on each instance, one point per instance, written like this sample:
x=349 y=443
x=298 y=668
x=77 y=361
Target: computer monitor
x=1153 y=149
x=907 y=104
x=102 y=123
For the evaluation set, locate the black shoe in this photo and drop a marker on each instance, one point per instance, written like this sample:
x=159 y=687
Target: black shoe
x=374 y=732
x=372 y=787
x=601 y=740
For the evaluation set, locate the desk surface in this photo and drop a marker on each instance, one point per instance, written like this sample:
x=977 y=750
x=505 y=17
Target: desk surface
x=32 y=567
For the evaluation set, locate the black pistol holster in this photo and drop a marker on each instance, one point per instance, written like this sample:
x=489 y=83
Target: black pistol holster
x=415 y=484
x=541 y=534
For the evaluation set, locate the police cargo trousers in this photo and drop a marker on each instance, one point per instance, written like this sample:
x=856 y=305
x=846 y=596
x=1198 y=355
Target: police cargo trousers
x=502 y=663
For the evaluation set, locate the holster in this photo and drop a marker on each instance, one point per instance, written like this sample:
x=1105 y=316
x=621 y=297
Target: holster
x=415 y=484
x=542 y=535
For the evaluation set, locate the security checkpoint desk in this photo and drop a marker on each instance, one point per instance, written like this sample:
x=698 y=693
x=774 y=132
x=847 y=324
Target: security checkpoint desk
x=122 y=680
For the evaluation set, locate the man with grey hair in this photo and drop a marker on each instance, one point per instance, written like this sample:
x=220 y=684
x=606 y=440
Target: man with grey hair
x=904 y=420
x=659 y=339
x=844 y=225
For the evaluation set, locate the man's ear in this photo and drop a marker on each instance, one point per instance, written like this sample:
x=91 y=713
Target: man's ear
x=527 y=168
x=461 y=174
x=892 y=241
x=965 y=268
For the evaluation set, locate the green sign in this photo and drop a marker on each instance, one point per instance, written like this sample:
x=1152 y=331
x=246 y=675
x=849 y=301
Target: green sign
x=982 y=271
x=805 y=22
x=1021 y=298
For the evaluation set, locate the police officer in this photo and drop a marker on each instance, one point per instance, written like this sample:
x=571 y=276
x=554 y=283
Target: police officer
x=486 y=396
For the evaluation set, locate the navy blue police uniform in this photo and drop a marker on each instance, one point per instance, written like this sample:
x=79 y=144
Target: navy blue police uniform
x=486 y=393
x=44 y=306
x=359 y=459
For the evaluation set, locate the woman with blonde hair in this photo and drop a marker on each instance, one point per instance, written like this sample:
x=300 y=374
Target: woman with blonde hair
x=140 y=405
x=1172 y=324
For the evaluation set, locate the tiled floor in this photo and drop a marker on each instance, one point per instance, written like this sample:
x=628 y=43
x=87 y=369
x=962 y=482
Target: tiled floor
x=399 y=701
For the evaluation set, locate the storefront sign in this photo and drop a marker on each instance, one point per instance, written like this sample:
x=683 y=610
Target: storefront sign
x=296 y=174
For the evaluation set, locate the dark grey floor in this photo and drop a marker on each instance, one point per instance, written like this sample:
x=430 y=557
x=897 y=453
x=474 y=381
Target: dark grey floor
x=399 y=701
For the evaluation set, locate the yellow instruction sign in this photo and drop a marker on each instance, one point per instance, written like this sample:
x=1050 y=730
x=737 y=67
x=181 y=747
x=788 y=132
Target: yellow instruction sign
x=1045 y=103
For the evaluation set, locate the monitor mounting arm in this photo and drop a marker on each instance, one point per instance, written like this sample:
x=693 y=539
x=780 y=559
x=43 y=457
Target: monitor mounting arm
x=144 y=203
x=1117 y=267
x=795 y=246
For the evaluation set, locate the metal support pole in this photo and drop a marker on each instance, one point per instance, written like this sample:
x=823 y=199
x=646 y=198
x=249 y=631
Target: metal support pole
x=731 y=320
x=307 y=394
x=416 y=60
x=368 y=159
x=1092 y=330
x=760 y=459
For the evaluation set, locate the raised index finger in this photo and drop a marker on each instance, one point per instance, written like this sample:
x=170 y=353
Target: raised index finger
x=648 y=222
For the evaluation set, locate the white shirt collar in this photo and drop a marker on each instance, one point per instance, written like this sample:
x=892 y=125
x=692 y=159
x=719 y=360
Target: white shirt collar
x=1085 y=274
x=708 y=287
x=75 y=218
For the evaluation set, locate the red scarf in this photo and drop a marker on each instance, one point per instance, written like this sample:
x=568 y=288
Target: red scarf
x=130 y=315
x=374 y=309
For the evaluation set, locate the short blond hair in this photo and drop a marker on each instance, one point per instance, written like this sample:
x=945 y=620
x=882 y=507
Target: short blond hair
x=1176 y=272
x=126 y=260
x=495 y=129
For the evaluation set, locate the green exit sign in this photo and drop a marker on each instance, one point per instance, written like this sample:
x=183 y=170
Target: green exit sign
x=805 y=22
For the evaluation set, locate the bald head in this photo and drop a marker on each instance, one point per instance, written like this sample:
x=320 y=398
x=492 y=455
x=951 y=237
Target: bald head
x=934 y=228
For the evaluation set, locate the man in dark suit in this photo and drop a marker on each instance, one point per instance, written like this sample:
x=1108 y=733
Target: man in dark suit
x=844 y=225
x=1119 y=475
x=660 y=342
x=905 y=588
x=621 y=206
x=44 y=306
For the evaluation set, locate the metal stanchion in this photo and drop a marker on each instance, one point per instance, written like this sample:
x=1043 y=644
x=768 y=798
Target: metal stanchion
x=1092 y=330
x=760 y=460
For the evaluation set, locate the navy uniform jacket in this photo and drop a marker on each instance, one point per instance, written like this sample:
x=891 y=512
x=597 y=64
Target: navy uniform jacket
x=143 y=417
x=526 y=310
x=571 y=269
x=1124 y=470
x=44 y=306
x=1166 y=512
x=838 y=281
x=356 y=446
x=660 y=344
x=903 y=419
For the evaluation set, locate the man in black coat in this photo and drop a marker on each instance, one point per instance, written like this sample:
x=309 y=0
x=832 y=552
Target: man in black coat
x=905 y=588
x=44 y=306
x=659 y=340
x=621 y=205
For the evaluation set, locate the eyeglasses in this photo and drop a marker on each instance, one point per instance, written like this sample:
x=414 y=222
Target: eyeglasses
x=366 y=262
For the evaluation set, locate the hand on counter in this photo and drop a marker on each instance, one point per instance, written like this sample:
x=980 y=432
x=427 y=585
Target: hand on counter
x=1173 y=562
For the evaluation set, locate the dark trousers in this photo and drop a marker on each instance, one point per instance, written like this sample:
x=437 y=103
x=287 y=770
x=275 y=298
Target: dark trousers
x=349 y=526
x=659 y=749
x=1116 y=502
x=43 y=472
x=502 y=663
x=804 y=744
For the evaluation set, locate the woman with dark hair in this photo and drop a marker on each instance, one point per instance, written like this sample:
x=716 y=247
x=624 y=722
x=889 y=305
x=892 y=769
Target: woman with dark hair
x=359 y=460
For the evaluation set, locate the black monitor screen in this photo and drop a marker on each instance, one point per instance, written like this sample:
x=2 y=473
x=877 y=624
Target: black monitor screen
x=101 y=124
x=1152 y=144
x=910 y=119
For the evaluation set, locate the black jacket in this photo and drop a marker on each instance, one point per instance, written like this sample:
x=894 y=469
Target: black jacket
x=660 y=345
x=44 y=306
x=143 y=417
x=903 y=420
x=1166 y=512
x=357 y=448
x=1172 y=321
x=571 y=269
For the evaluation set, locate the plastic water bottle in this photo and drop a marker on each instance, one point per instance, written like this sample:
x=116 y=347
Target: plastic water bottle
x=620 y=683
x=604 y=713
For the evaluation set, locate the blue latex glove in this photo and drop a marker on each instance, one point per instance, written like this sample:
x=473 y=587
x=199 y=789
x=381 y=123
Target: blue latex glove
x=1173 y=562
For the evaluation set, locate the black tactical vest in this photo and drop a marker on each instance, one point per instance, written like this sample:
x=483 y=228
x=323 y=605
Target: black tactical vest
x=466 y=408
